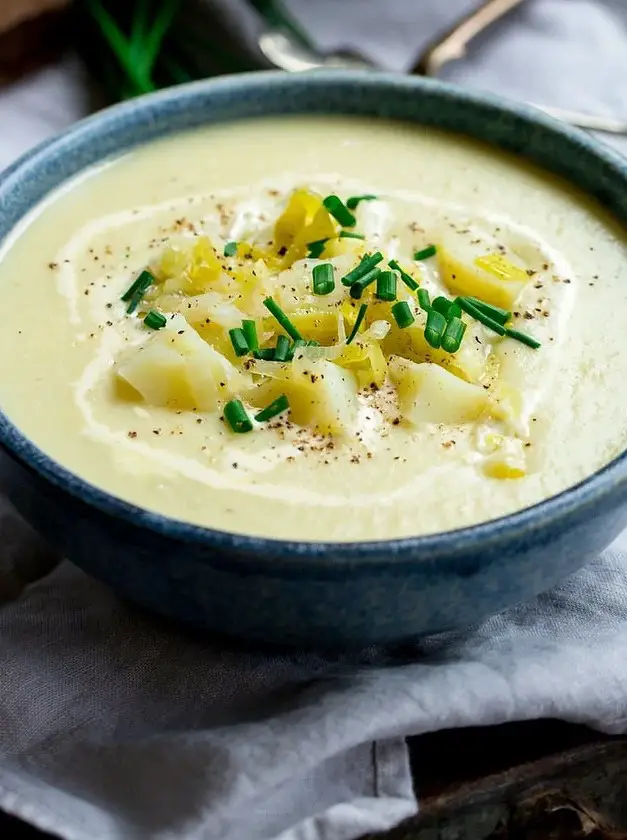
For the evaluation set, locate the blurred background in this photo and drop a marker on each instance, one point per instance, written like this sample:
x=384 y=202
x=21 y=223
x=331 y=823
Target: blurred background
x=61 y=59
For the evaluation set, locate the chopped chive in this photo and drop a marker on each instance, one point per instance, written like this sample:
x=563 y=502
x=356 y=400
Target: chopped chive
x=429 y=251
x=137 y=290
x=347 y=234
x=524 y=338
x=316 y=248
x=386 y=285
x=480 y=316
x=447 y=307
x=282 y=318
x=296 y=346
x=275 y=408
x=155 y=320
x=442 y=305
x=354 y=200
x=423 y=299
x=339 y=211
x=366 y=264
x=237 y=417
x=435 y=328
x=134 y=303
x=142 y=282
x=230 y=249
x=494 y=312
x=323 y=279
x=360 y=317
x=407 y=279
x=264 y=354
x=282 y=349
x=250 y=331
x=452 y=338
x=359 y=285
x=402 y=314
x=239 y=342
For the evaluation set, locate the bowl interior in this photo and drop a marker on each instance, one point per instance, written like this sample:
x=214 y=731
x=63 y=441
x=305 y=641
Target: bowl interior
x=515 y=128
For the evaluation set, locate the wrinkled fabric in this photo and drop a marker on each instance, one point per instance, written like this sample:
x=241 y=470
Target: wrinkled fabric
x=118 y=725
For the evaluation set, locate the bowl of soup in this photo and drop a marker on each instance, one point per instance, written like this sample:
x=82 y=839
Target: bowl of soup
x=326 y=359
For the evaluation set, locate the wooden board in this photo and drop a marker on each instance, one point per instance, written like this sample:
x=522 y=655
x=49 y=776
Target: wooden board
x=543 y=780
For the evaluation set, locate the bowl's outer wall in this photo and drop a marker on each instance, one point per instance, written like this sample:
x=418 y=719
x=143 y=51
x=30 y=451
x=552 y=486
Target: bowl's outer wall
x=383 y=604
x=246 y=587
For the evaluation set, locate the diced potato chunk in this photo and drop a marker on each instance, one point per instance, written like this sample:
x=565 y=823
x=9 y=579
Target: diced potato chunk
x=473 y=360
x=428 y=393
x=177 y=369
x=324 y=397
x=211 y=314
x=470 y=362
x=157 y=372
x=467 y=269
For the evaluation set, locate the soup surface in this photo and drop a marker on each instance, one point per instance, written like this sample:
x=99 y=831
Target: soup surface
x=394 y=426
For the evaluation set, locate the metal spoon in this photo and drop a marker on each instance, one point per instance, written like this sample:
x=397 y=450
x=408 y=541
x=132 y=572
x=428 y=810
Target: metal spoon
x=453 y=45
x=285 y=53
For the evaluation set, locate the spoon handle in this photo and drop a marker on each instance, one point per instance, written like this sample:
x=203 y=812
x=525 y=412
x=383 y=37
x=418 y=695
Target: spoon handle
x=453 y=45
x=590 y=122
x=280 y=49
x=454 y=42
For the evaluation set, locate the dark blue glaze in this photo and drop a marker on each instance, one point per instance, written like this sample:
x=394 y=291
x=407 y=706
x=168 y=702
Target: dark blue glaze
x=303 y=593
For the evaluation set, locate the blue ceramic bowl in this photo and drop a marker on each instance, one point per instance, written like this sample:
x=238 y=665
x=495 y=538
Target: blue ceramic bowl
x=303 y=593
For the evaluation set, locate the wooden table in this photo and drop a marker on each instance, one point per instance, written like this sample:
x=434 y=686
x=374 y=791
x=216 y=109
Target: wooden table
x=543 y=780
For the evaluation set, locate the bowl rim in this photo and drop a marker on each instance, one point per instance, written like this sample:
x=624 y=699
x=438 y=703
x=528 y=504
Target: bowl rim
x=294 y=554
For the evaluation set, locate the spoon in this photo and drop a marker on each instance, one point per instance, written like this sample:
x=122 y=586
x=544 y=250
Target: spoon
x=283 y=51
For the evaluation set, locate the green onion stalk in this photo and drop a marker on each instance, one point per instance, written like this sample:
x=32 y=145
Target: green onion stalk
x=137 y=47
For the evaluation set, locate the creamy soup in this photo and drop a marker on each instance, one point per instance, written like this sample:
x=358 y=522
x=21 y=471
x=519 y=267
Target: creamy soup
x=318 y=329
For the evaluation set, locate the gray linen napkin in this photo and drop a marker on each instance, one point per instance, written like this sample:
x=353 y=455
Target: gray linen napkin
x=116 y=725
